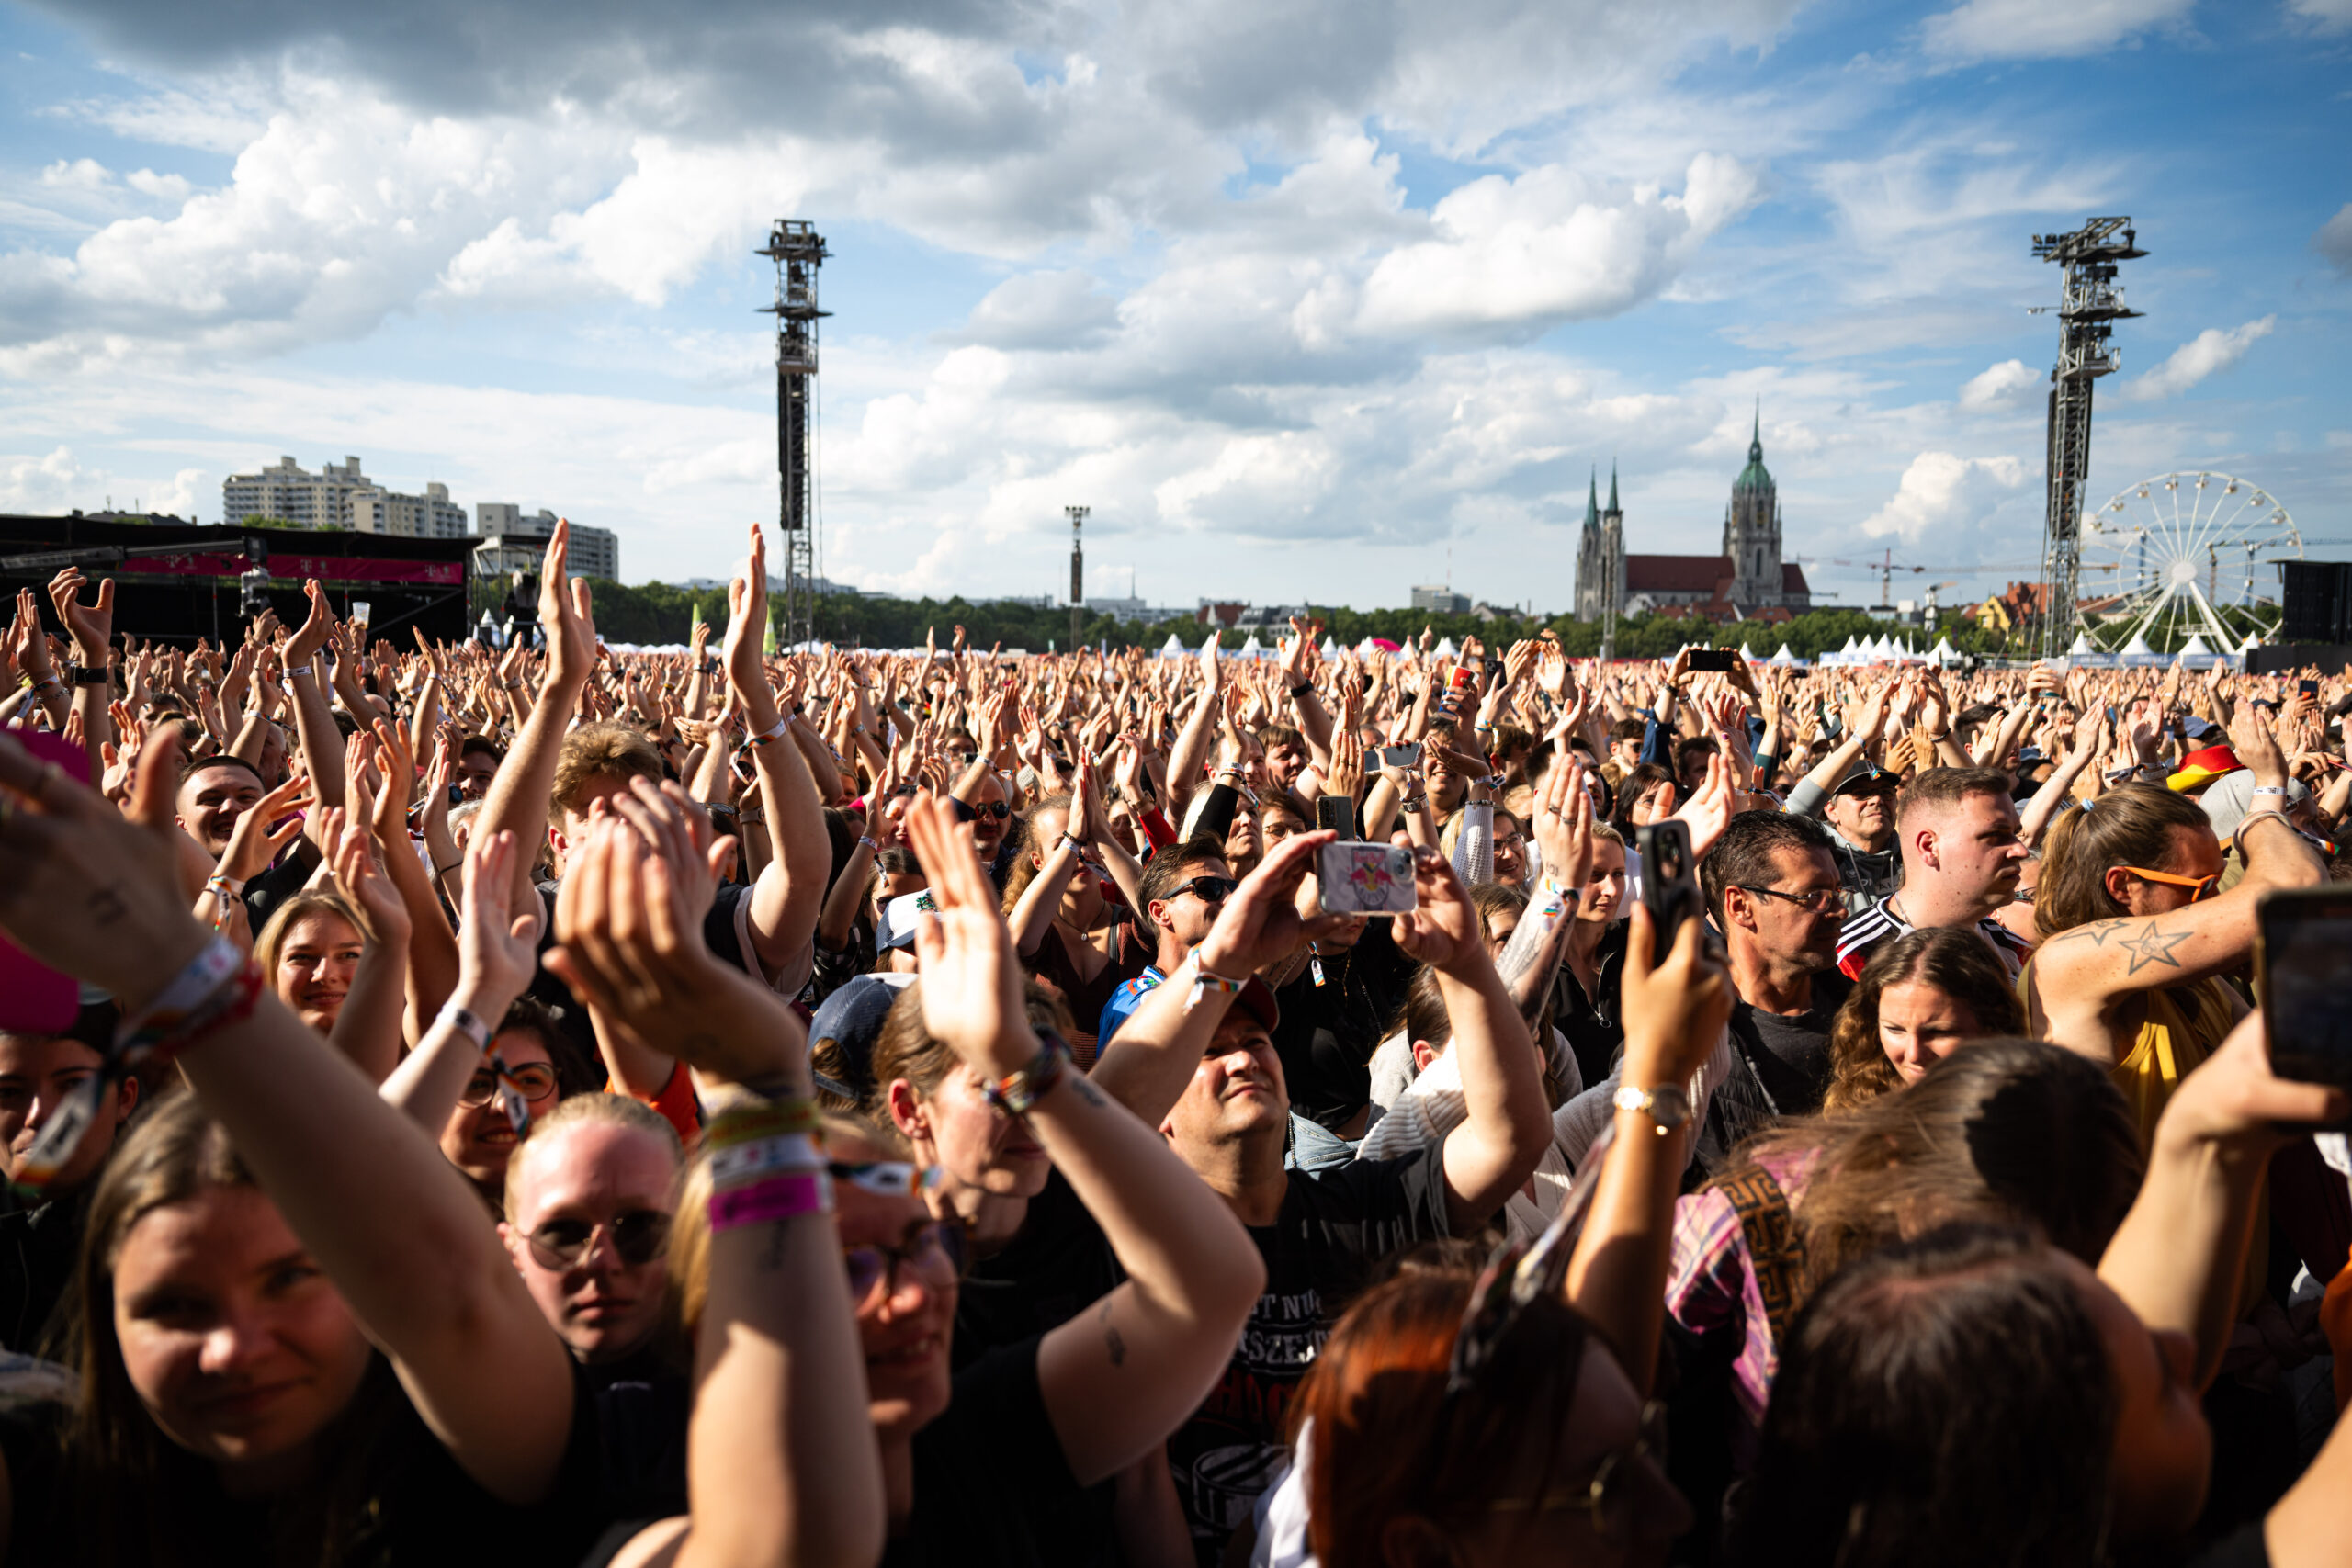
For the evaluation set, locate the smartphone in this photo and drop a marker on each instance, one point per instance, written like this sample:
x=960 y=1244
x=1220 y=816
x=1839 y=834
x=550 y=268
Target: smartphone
x=1364 y=879
x=35 y=999
x=2308 y=688
x=1400 y=756
x=1669 y=880
x=1719 y=660
x=2303 y=977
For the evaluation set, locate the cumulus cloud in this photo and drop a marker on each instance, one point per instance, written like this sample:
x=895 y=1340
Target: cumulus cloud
x=2333 y=240
x=1940 y=492
x=1998 y=386
x=2211 y=350
x=1045 y=310
x=45 y=483
x=2328 y=15
x=2034 y=29
x=1551 y=245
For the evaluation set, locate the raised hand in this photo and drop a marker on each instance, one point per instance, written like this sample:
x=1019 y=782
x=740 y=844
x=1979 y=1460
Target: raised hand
x=1708 y=811
x=498 y=941
x=1675 y=1004
x=1445 y=931
x=305 y=644
x=1210 y=674
x=91 y=626
x=1564 y=827
x=566 y=615
x=971 y=980
x=253 y=843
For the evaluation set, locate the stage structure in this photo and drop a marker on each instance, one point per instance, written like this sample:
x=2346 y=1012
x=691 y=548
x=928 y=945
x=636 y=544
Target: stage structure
x=177 y=582
x=2091 y=303
x=1078 y=516
x=798 y=250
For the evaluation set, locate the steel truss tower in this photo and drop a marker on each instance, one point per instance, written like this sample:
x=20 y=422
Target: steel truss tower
x=2090 y=305
x=798 y=250
x=1078 y=516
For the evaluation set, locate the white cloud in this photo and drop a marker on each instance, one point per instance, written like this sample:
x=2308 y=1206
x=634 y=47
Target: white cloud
x=1043 y=310
x=48 y=483
x=79 y=174
x=1940 y=492
x=1551 y=245
x=1998 y=386
x=2036 y=30
x=2333 y=240
x=2326 y=15
x=2211 y=350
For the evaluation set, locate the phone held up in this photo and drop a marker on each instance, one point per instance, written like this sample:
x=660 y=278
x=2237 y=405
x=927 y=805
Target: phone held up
x=1356 y=879
x=2303 y=979
x=1405 y=756
x=1719 y=660
x=1669 y=880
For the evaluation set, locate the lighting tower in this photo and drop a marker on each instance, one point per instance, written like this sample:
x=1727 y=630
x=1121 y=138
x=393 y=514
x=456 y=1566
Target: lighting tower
x=2090 y=304
x=1078 y=516
x=798 y=250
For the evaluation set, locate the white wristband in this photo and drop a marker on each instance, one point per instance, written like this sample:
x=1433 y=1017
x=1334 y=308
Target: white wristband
x=467 y=1024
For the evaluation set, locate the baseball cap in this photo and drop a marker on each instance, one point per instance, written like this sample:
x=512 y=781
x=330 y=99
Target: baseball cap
x=2204 y=731
x=899 y=917
x=851 y=1019
x=2227 y=802
x=1866 y=775
x=2203 y=766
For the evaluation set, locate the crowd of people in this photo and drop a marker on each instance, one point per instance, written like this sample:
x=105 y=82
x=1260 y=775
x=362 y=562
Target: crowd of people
x=547 y=1105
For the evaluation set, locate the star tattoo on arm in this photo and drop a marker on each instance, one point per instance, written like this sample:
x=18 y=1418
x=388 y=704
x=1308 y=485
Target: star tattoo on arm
x=2152 y=945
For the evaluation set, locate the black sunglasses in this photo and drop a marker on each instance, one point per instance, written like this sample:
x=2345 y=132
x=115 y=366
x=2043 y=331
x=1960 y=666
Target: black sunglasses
x=928 y=1246
x=995 y=809
x=1207 y=889
x=637 y=1235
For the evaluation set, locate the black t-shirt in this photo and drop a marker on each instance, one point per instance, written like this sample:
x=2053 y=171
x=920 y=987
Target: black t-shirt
x=1594 y=1026
x=417 y=1506
x=1329 y=1031
x=1334 y=1225
x=643 y=1402
x=38 y=1248
x=263 y=892
x=989 y=1474
x=1779 y=1068
x=1057 y=1266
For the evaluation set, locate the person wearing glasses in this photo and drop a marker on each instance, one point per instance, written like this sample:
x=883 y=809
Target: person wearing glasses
x=1772 y=885
x=480 y=1136
x=590 y=1195
x=2134 y=939
x=1182 y=890
x=1958 y=832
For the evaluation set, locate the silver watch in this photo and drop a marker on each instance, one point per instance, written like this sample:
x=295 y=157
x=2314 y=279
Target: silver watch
x=1666 y=1105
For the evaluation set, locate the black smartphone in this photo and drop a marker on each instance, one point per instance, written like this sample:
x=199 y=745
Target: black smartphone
x=1669 y=880
x=2308 y=688
x=1722 y=660
x=2303 y=977
x=1404 y=756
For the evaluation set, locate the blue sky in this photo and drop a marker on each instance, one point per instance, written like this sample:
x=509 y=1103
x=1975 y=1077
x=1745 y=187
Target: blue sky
x=1306 y=300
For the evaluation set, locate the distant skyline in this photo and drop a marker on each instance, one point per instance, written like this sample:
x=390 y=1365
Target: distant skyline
x=1303 y=299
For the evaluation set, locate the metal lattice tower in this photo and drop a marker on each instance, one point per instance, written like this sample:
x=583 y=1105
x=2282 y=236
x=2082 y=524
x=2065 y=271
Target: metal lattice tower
x=798 y=250
x=2091 y=304
x=1078 y=516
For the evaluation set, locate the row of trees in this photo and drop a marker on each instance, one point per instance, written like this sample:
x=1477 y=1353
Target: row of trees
x=659 y=612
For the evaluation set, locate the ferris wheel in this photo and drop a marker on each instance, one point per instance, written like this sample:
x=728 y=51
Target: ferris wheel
x=2185 y=555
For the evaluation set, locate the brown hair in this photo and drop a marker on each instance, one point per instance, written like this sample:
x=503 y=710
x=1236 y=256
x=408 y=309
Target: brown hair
x=2008 y=1131
x=1958 y=963
x=1939 y=789
x=1024 y=835
x=1388 y=1443
x=2128 y=826
x=132 y=1490
x=905 y=1049
x=599 y=751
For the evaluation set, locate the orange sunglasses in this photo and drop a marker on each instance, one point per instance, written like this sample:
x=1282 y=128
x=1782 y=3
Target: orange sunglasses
x=2204 y=885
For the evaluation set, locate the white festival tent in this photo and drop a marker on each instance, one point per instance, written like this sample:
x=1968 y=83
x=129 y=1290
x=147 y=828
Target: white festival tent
x=1173 y=648
x=1784 y=659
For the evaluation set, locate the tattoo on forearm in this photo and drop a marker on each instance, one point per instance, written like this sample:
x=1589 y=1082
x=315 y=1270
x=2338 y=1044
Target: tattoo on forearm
x=772 y=1258
x=1110 y=1340
x=1087 y=1092
x=2154 y=945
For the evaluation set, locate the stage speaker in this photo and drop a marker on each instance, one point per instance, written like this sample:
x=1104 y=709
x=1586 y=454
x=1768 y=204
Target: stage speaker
x=2315 y=601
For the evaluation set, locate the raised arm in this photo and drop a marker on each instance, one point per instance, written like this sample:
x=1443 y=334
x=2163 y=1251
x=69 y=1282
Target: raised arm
x=790 y=892
x=1500 y=1141
x=366 y=1192
x=497 y=956
x=518 y=802
x=314 y=726
x=1122 y=1376
x=1675 y=1011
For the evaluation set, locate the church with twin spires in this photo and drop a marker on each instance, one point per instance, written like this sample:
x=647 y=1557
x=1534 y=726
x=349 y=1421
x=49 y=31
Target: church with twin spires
x=1748 y=580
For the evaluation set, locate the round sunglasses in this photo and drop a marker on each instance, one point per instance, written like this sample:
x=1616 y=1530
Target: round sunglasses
x=637 y=1235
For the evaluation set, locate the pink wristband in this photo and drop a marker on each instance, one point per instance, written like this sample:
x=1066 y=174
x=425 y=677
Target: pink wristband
x=778 y=1198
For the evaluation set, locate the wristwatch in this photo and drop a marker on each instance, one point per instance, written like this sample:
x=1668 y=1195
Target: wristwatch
x=1666 y=1105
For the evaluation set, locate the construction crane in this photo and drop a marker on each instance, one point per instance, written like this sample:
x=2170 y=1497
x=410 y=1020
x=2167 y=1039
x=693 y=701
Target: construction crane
x=1886 y=566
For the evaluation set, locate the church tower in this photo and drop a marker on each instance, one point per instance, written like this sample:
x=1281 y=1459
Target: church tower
x=1592 y=575
x=1612 y=546
x=1752 y=529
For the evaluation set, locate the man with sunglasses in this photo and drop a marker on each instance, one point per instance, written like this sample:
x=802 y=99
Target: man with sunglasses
x=980 y=798
x=1182 y=890
x=589 y=1198
x=1773 y=886
x=1959 y=834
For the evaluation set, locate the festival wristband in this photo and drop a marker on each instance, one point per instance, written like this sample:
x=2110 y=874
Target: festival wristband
x=778 y=1198
x=1203 y=982
x=1013 y=1095
x=767 y=736
x=465 y=1023
x=741 y=1165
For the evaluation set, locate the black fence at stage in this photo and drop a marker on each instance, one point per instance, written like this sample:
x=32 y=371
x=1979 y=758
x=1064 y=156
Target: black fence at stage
x=2328 y=657
x=179 y=582
x=2317 y=603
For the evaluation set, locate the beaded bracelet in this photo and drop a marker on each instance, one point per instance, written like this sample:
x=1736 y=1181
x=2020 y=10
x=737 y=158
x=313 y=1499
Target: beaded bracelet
x=1203 y=982
x=778 y=1198
x=1013 y=1095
